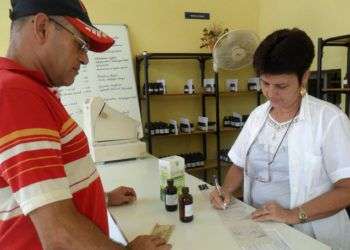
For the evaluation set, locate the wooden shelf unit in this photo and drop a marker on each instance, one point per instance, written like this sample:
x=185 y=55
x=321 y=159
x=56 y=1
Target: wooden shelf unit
x=337 y=41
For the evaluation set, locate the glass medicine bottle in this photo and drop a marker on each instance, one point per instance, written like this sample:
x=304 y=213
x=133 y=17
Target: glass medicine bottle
x=185 y=206
x=170 y=196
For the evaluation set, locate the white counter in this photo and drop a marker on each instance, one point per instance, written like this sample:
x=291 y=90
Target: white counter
x=206 y=231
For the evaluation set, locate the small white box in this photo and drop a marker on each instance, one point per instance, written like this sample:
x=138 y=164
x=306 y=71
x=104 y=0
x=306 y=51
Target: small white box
x=209 y=85
x=172 y=167
x=203 y=123
x=254 y=84
x=185 y=125
x=176 y=129
x=190 y=87
x=162 y=81
x=232 y=85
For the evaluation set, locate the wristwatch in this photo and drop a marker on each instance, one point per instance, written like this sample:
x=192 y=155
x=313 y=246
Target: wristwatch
x=302 y=215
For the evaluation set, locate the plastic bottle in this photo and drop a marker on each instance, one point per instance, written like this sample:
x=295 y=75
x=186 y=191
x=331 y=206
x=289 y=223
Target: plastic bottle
x=185 y=206
x=170 y=196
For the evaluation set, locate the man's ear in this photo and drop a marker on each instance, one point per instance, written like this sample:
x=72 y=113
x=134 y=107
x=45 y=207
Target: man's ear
x=41 y=27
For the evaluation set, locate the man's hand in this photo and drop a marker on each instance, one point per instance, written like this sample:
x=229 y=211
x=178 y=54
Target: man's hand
x=219 y=202
x=121 y=195
x=148 y=242
x=272 y=211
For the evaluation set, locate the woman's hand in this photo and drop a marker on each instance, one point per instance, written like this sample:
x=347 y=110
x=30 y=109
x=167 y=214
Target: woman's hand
x=272 y=211
x=218 y=201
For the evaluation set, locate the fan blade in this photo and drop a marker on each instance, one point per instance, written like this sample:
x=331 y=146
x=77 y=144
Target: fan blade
x=235 y=49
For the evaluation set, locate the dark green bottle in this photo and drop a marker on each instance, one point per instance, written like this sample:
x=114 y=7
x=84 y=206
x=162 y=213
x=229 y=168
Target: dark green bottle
x=170 y=196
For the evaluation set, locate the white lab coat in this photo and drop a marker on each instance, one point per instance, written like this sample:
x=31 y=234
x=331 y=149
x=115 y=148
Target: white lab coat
x=319 y=155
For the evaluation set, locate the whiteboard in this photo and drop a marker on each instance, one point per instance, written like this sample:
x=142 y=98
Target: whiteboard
x=109 y=75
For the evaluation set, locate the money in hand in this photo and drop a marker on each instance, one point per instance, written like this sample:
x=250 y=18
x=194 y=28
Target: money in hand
x=163 y=231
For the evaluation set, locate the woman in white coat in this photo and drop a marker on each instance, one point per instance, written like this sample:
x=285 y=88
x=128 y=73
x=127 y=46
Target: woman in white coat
x=293 y=153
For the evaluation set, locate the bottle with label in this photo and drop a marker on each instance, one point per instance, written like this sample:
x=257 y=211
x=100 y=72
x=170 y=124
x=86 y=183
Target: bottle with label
x=186 y=89
x=170 y=196
x=185 y=206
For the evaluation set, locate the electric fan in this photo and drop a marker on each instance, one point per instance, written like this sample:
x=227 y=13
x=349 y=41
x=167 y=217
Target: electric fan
x=234 y=50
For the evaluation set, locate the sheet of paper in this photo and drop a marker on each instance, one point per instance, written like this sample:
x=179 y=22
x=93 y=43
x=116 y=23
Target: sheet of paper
x=248 y=233
x=278 y=240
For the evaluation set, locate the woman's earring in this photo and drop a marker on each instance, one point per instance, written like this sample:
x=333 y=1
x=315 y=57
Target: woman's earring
x=302 y=91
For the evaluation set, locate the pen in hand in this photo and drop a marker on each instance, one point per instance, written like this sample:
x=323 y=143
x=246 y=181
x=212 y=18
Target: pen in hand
x=220 y=191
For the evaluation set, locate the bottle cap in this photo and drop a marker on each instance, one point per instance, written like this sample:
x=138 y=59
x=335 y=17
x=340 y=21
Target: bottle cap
x=185 y=190
x=170 y=182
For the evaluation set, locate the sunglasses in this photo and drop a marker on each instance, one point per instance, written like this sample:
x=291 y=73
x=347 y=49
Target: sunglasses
x=83 y=45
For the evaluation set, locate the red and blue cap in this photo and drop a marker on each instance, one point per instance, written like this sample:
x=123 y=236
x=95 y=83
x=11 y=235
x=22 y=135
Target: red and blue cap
x=75 y=13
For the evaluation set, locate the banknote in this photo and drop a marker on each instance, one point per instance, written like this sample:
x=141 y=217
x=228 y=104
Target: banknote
x=163 y=231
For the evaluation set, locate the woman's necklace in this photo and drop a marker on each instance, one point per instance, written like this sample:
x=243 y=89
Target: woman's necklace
x=277 y=127
x=284 y=135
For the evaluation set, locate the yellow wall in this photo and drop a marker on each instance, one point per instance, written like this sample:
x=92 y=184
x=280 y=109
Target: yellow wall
x=4 y=26
x=322 y=18
x=159 y=25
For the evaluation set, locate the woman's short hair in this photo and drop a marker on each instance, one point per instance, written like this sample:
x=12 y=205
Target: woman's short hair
x=285 y=51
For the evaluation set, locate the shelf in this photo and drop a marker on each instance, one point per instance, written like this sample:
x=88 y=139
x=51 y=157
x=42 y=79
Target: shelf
x=209 y=164
x=336 y=90
x=196 y=132
x=321 y=93
x=179 y=94
x=236 y=93
x=227 y=129
x=223 y=93
x=160 y=56
x=172 y=95
x=337 y=41
x=143 y=61
x=240 y=92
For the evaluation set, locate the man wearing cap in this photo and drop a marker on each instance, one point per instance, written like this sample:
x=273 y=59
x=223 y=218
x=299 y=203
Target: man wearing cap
x=51 y=196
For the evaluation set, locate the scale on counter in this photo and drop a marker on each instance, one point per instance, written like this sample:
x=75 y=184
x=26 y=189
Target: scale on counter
x=112 y=135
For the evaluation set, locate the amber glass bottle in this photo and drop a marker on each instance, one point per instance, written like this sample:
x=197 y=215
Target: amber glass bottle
x=170 y=196
x=185 y=206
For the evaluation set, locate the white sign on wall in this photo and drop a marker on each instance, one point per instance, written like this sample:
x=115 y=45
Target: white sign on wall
x=109 y=75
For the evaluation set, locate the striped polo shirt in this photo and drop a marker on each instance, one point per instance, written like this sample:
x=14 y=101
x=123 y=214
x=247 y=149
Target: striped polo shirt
x=44 y=158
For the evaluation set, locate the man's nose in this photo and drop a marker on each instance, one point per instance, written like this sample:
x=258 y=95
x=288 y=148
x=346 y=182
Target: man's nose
x=84 y=58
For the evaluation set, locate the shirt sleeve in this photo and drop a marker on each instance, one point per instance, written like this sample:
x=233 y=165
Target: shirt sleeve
x=336 y=148
x=237 y=153
x=30 y=150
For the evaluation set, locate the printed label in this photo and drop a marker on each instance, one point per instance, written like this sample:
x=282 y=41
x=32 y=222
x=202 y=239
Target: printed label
x=188 y=210
x=171 y=200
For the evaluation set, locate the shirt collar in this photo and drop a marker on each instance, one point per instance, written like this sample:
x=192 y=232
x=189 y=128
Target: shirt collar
x=8 y=64
x=304 y=108
x=303 y=113
x=38 y=76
